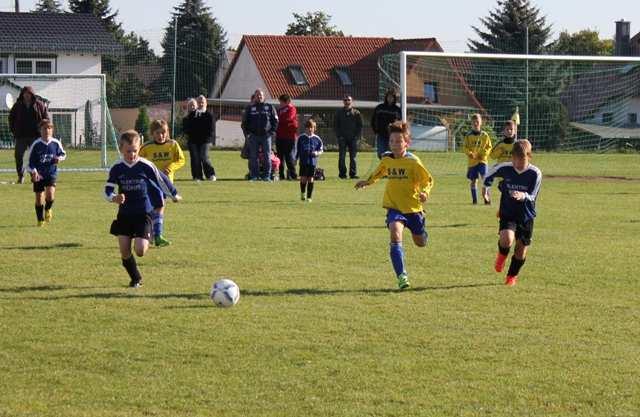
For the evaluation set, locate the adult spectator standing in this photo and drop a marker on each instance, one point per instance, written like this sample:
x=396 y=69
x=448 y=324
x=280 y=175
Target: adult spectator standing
x=260 y=121
x=24 y=121
x=199 y=126
x=286 y=136
x=348 y=129
x=383 y=115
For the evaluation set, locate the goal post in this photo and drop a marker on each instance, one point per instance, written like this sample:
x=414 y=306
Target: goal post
x=562 y=103
x=78 y=106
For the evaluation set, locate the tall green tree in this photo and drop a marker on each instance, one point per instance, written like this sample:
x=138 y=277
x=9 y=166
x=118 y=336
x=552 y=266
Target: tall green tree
x=102 y=10
x=584 y=42
x=506 y=27
x=536 y=86
x=201 y=42
x=49 y=6
x=312 y=24
x=137 y=50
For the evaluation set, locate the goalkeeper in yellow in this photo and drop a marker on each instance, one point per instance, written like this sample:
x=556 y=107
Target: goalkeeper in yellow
x=477 y=147
x=167 y=156
x=408 y=186
x=501 y=152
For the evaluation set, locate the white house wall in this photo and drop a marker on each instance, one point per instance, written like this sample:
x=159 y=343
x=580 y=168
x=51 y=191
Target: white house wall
x=244 y=79
x=79 y=64
x=619 y=110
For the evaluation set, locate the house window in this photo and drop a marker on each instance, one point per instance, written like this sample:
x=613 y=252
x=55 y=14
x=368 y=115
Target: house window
x=297 y=75
x=632 y=118
x=24 y=67
x=607 y=118
x=44 y=67
x=34 y=66
x=343 y=76
x=430 y=92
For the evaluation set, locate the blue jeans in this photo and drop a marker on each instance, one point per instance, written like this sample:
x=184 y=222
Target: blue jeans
x=255 y=143
x=382 y=145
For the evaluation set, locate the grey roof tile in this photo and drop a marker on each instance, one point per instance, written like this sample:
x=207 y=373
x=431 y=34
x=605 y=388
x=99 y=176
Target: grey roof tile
x=55 y=32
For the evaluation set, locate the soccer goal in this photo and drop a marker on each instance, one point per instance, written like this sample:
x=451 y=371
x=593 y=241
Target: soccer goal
x=77 y=104
x=560 y=103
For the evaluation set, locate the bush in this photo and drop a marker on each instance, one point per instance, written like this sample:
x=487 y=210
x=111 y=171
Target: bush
x=143 y=122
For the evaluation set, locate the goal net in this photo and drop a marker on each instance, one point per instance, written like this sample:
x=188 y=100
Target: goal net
x=560 y=103
x=78 y=108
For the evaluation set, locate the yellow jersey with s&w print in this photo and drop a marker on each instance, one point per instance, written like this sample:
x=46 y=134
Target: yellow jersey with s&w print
x=406 y=179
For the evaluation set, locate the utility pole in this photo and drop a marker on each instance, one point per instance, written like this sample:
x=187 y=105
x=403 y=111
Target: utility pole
x=17 y=6
x=173 y=81
x=526 y=107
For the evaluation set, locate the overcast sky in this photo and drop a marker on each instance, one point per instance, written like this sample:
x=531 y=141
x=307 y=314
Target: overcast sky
x=448 y=21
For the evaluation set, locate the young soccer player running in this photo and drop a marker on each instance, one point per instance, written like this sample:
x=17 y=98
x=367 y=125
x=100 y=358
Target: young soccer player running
x=519 y=187
x=167 y=155
x=408 y=186
x=308 y=149
x=477 y=146
x=502 y=151
x=139 y=191
x=44 y=155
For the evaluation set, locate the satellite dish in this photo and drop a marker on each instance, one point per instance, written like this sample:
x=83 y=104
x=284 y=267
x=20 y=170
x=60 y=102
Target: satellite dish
x=9 y=101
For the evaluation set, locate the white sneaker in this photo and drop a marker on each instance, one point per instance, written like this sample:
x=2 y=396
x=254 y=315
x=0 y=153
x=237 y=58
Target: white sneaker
x=212 y=178
x=176 y=198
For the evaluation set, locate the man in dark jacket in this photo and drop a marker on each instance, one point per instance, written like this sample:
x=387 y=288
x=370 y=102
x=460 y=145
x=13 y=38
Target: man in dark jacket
x=383 y=115
x=199 y=126
x=24 y=118
x=260 y=121
x=286 y=136
x=348 y=129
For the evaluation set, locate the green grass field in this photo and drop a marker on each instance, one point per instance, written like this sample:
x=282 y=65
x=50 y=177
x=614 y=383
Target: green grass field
x=320 y=329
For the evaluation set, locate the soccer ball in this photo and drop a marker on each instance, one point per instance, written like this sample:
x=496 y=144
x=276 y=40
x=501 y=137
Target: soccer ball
x=225 y=293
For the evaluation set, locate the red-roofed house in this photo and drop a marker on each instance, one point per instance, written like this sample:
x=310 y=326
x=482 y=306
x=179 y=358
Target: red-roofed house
x=313 y=67
x=317 y=71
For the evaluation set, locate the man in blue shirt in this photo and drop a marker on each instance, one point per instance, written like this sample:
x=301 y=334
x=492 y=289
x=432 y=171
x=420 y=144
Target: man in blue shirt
x=260 y=121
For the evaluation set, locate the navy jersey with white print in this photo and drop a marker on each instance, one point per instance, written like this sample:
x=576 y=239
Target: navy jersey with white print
x=307 y=147
x=141 y=184
x=527 y=181
x=44 y=157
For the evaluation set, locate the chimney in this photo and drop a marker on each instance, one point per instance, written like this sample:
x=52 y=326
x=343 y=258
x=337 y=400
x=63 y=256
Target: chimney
x=17 y=2
x=622 y=42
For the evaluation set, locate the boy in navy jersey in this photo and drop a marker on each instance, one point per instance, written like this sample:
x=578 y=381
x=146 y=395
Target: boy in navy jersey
x=308 y=149
x=44 y=155
x=140 y=190
x=519 y=187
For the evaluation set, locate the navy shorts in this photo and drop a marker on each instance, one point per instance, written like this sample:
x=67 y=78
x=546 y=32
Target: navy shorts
x=413 y=221
x=476 y=171
x=524 y=231
x=133 y=225
x=307 y=170
x=38 y=187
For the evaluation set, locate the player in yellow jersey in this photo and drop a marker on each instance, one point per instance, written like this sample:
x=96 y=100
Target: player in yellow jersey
x=501 y=152
x=408 y=186
x=477 y=147
x=168 y=157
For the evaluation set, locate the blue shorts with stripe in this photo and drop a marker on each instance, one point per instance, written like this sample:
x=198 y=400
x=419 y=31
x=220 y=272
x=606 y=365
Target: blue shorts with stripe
x=476 y=171
x=413 y=221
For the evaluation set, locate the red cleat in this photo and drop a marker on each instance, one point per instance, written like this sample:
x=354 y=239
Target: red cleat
x=511 y=281
x=500 y=260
